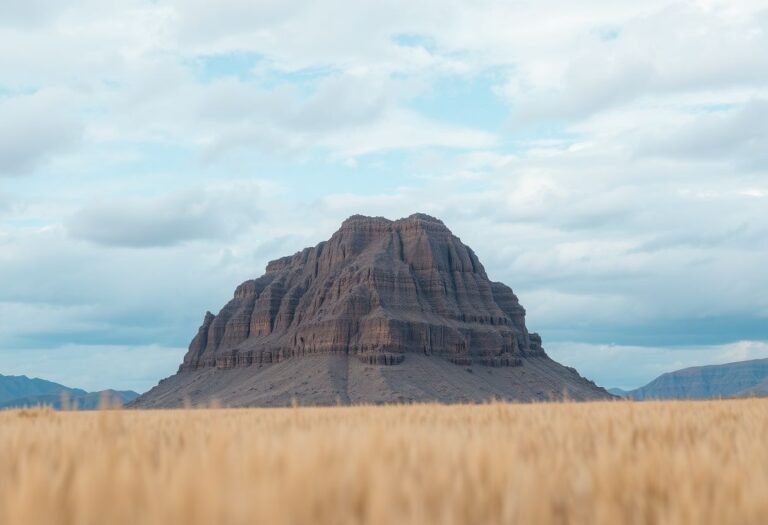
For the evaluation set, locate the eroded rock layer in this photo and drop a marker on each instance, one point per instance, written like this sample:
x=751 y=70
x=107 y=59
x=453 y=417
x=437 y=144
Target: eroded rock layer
x=378 y=291
x=377 y=286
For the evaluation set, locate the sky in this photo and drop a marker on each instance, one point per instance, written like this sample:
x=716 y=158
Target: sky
x=607 y=159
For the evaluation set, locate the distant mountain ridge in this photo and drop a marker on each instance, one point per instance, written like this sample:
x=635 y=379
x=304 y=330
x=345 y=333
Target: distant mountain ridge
x=743 y=378
x=23 y=391
x=760 y=389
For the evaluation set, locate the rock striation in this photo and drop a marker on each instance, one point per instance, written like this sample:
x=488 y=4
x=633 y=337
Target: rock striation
x=378 y=291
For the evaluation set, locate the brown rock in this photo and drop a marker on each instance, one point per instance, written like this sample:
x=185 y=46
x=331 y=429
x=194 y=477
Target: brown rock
x=379 y=290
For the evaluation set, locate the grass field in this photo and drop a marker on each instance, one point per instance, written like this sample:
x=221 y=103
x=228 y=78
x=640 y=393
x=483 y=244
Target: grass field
x=604 y=463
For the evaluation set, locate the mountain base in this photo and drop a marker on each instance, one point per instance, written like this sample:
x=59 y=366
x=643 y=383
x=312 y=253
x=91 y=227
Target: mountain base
x=333 y=379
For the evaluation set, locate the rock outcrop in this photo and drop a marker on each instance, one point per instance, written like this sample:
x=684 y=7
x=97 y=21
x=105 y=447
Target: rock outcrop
x=378 y=291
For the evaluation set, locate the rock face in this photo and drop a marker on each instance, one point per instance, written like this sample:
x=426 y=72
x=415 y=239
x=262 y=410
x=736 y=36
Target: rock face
x=743 y=378
x=379 y=292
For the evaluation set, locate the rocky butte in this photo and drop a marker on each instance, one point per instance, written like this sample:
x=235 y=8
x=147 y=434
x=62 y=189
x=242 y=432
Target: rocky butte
x=385 y=311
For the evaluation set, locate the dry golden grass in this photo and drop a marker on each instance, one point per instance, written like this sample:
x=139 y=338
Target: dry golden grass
x=621 y=462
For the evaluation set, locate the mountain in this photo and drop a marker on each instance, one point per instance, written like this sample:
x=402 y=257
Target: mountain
x=760 y=389
x=702 y=382
x=620 y=392
x=22 y=391
x=384 y=311
x=14 y=387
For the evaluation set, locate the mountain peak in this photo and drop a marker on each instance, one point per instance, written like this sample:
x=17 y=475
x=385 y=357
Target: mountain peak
x=423 y=217
x=382 y=293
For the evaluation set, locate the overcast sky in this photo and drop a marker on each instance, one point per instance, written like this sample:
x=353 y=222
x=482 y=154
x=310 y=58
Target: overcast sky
x=608 y=159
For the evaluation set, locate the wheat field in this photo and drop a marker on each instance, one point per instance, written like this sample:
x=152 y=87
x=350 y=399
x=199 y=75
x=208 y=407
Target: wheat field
x=601 y=463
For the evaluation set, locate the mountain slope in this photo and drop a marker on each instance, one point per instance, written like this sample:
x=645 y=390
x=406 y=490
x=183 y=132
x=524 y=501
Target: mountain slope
x=383 y=311
x=760 y=389
x=618 y=392
x=14 y=387
x=22 y=391
x=702 y=382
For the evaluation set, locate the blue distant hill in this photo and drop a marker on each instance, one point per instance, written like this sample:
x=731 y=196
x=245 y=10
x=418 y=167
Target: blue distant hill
x=22 y=391
x=743 y=378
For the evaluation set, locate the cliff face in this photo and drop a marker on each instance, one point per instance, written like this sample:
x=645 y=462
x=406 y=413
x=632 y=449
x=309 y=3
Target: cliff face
x=382 y=312
x=376 y=287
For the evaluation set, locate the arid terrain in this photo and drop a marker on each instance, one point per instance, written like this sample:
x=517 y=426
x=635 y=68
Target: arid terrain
x=339 y=379
x=602 y=462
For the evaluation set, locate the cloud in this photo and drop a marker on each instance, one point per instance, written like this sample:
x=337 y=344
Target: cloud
x=616 y=178
x=29 y=14
x=116 y=297
x=738 y=135
x=333 y=33
x=740 y=235
x=584 y=92
x=137 y=63
x=658 y=51
x=631 y=367
x=400 y=130
x=34 y=128
x=346 y=115
x=211 y=213
x=95 y=367
x=602 y=245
